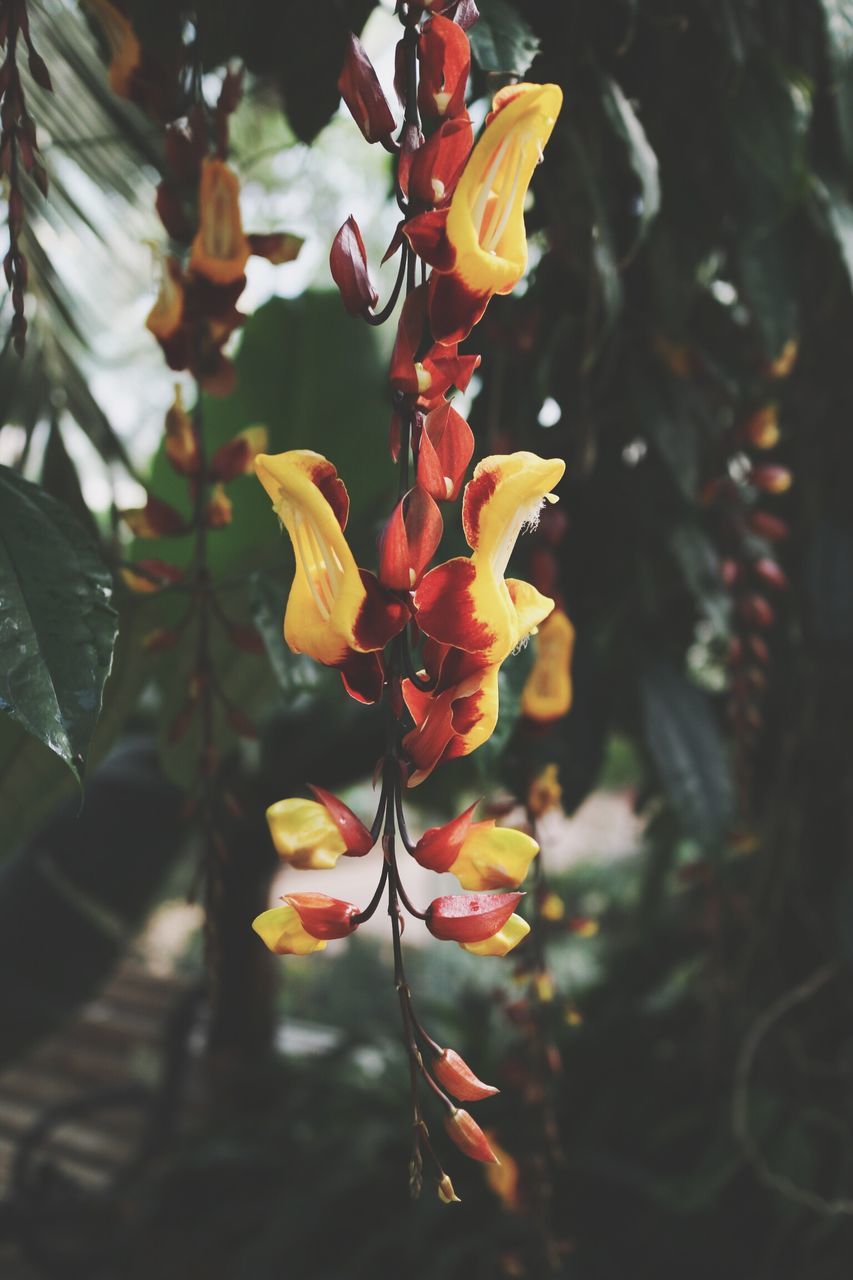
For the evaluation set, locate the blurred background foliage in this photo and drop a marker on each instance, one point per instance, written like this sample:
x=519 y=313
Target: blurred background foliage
x=691 y=262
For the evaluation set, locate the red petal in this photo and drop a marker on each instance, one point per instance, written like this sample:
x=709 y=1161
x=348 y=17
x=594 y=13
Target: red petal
x=445 y=58
x=381 y=616
x=348 y=264
x=439 y=847
x=356 y=836
x=322 y=916
x=446 y=448
x=360 y=89
x=427 y=234
x=470 y=917
x=438 y=164
x=231 y=459
x=410 y=540
x=454 y=309
x=444 y=610
x=276 y=246
x=363 y=675
x=410 y=331
x=458 y=1079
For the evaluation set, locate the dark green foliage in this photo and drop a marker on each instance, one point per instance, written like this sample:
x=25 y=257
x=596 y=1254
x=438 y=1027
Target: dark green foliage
x=58 y=627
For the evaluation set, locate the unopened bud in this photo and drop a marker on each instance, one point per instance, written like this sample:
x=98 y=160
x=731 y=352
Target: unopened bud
x=446 y=1193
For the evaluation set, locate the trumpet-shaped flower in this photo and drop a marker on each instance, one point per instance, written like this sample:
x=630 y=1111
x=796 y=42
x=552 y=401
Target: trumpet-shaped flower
x=220 y=250
x=304 y=834
x=481 y=855
x=336 y=613
x=547 y=692
x=477 y=246
x=467 y=602
x=282 y=931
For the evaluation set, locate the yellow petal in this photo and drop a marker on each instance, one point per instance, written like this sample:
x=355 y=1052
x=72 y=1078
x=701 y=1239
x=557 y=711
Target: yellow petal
x=485 y=224
x=494 y=857
x=547 y=693
x=281 y=930
x=500 y=943
x=327 y=593
x=220 y=250
x=304 y=834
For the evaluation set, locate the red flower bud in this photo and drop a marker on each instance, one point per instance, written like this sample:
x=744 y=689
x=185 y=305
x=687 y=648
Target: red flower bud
x=761 y=428
x=729 y=572
x=403 y=373
x=360 y=89
x=772 y=479
x=458 y=1079
x=446 y=447
x=757 y=611
x=155 y=520
x=767 y=526
x=323 y=917
x=355 y=834
x=471 y=917
x=236 y=457
x=771 y=573
x=409 y=540
x=348 y=264
x=758 y=648
x=438 y=848
x=469 y=1137
x=445 y=58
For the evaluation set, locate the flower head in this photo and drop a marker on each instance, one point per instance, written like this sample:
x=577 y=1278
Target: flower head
x=478 y=245
x=220 y=250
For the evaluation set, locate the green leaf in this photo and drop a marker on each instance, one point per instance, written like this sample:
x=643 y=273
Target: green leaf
x=687 y=748
x=700 y=565
x=57 y=626
x=641 y=158
x=501 y=40
x=836 y=212
x=838 y=23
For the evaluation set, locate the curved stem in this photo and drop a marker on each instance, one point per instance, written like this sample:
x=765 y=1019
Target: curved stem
x=379 y=317
x=370 y=909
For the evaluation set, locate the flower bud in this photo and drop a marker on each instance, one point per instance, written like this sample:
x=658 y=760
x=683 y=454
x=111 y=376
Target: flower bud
x=446 y=1193
x=237 y=457
x=757 y=611
x=360 y=89
x=219 y=250
x=436 y=166
x=468 y=918
x=469 y=1137
x=771 y=573
x=782 y=365
x=321 y=916
x=282 y=931
x=150 y=575
x=761 y=428
x=219 y=508
x=544 y=792
x=348 y=265
x=772 y=479
x=155 y=520
x=181 y=445
x=547 y=693
x=458 y=1079
x=768 y=526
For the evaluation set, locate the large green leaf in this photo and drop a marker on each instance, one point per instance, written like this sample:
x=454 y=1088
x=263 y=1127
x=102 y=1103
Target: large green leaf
x=57 y=626
x=641 y=158
x=501 y=40
x=687 y=748
x=838 y=22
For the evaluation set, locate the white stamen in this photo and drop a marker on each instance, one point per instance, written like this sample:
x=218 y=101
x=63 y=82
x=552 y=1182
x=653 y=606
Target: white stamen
x=482 y=200
x=494 y=237
x=308 y=567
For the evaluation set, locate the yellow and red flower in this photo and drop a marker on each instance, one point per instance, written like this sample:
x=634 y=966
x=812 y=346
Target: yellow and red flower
x=477 y=245
x=336 y=613
x=481 y=855
x=312 y=834
x=220 y=250
x=305 y=923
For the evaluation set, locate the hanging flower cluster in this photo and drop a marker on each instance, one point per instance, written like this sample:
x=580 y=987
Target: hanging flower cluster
x=201 y=278
x=748 y=531
x=461 y=240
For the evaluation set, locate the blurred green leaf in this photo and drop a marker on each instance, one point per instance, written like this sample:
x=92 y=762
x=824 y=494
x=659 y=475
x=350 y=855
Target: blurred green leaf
x=688 y=751
x=641 y=158
x=57 y=626
x=501 y=39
